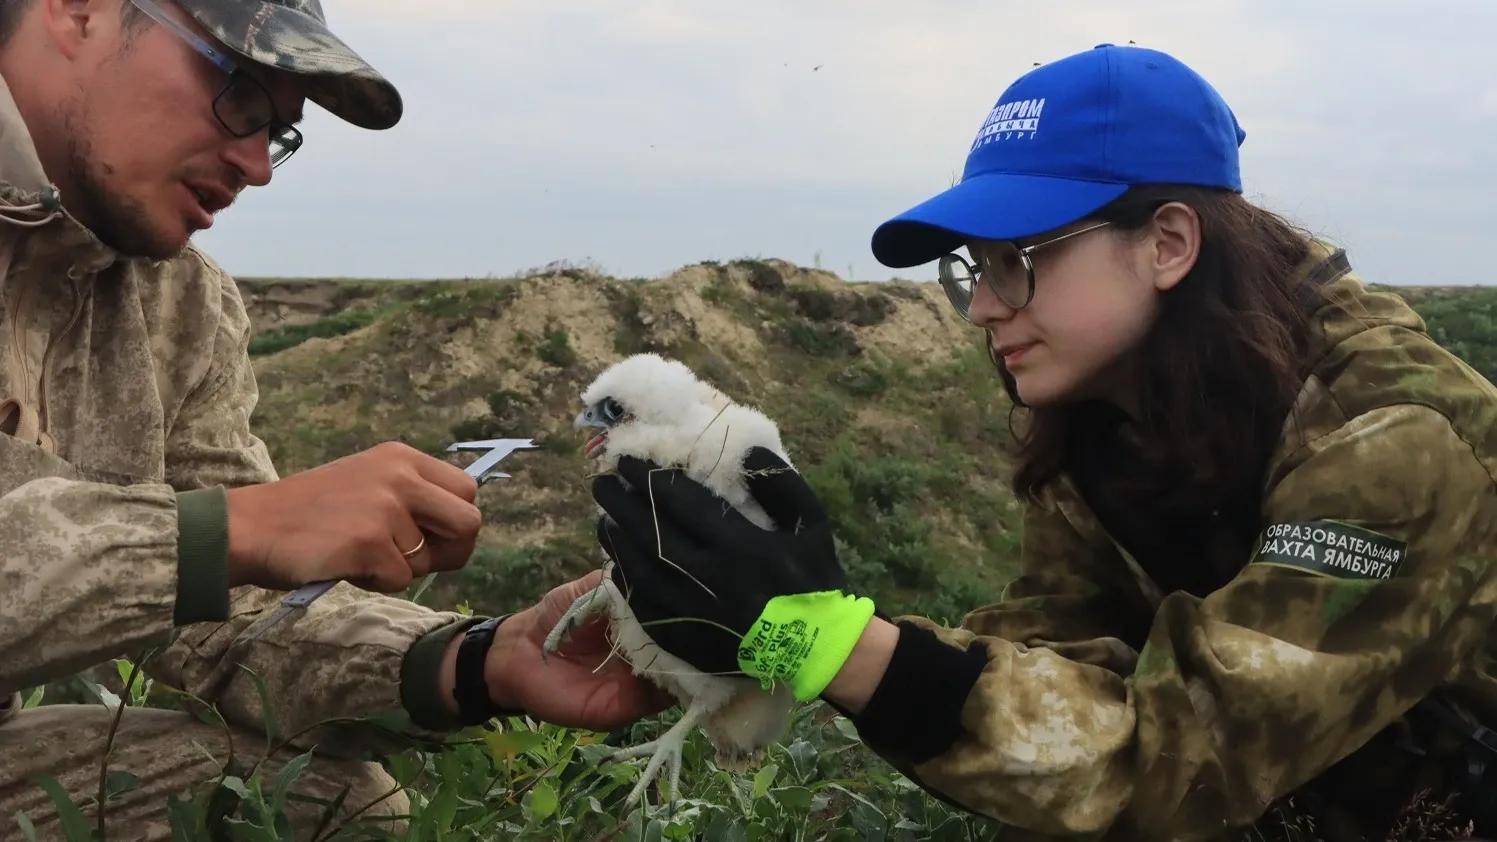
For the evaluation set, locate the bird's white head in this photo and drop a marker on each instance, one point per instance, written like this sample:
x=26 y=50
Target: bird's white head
x=657 y=409
x=644 y=391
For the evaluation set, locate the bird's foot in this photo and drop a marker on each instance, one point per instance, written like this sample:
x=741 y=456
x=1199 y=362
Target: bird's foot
x=576 y=614
x=665 y=752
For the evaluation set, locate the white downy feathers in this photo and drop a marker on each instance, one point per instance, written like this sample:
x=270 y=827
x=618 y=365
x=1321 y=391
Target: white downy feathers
x=653 y=408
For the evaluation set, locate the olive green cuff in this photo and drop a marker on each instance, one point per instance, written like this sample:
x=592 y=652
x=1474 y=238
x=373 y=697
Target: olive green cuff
x=202 y=556
x=421 y=673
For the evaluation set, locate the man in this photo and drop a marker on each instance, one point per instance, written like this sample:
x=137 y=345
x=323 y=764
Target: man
x=137 y=509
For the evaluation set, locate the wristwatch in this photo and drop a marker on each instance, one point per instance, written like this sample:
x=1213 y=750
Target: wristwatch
x=470 y=690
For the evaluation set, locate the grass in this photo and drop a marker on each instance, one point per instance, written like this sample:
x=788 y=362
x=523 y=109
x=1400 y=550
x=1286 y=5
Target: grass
x=522 y=780
x=328 y=326
x=556 y=347
x=904 y=448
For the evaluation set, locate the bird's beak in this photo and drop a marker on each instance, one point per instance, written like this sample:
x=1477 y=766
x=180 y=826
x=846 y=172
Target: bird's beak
x=589 y=419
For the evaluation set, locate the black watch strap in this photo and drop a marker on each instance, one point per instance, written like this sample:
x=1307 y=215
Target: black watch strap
x=470 y=690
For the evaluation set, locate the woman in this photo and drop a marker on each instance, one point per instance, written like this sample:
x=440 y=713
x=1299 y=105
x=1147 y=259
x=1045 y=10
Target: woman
x=1260 y=520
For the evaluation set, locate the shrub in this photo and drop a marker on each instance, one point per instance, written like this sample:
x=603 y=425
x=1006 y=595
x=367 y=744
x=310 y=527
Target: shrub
x=337 y=324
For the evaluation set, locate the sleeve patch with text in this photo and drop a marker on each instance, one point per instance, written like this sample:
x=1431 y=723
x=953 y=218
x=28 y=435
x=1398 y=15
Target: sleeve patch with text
x=1328 y=548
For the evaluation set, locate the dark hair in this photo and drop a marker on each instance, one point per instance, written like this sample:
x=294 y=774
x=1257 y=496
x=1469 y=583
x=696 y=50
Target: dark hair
x=1220 y=367
x=10 y=18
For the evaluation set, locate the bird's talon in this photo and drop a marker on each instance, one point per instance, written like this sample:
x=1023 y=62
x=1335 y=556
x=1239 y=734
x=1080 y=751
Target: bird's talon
x=574 y=616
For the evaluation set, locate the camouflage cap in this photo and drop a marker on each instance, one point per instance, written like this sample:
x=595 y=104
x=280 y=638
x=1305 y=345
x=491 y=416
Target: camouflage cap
x=293 y=35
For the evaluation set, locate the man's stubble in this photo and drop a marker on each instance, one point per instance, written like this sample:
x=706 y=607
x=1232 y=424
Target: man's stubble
x=120 y=221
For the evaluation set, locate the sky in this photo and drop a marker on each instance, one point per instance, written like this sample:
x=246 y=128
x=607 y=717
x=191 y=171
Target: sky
x=640 y=136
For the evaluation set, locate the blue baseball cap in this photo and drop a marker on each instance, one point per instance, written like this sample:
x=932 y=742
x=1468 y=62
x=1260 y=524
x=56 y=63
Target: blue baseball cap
x=1066 y=139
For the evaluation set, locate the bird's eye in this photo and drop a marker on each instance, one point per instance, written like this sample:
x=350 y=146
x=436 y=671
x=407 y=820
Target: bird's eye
x=613 y=412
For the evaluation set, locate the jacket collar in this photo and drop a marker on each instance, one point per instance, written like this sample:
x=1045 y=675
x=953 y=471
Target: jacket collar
x=20 y=167
x=30 y=201
x=1346 y=306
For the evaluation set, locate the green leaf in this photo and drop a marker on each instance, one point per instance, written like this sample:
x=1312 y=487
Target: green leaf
x=846 y=728
x=763 y=778
x=796 y=798
x=507 y=744
x=133 y=679
x=104 y=694
x=731 y=783
x=421 y=588
x=595 y=754
x=543 y=800
x=235 y=784
x=850 y=794
x=868 y=820
x=722 y=828
x=27 y=827
x=118 y=781
x=185 y=821
x=281 y=821
x=292 y=770
x=768 y=812
x=442 y=810
x=35 y=698
x=952 y=829
x=124 y=668
x=283 y=781
x=73 y=823
x=267 y=710
x=803 y=757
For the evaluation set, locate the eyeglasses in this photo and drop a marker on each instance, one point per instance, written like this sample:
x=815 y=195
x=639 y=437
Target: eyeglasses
x=1009 y=273
x=243 y=106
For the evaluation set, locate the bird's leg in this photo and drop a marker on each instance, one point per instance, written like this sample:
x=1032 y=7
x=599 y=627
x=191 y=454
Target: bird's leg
x=666 y=751
x=576 y=614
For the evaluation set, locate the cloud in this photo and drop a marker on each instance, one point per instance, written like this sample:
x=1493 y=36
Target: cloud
x=654 y=133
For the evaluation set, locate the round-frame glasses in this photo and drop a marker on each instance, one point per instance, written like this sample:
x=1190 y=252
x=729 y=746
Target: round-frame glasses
x=1010 y=276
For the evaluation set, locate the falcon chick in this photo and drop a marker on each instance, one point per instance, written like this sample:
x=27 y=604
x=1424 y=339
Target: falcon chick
x=652 y=408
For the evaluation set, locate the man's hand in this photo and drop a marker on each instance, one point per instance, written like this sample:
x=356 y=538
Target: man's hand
x=354 y=519
x=568 y=688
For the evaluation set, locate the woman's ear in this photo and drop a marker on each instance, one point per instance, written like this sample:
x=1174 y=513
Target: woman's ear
x=1173 y=244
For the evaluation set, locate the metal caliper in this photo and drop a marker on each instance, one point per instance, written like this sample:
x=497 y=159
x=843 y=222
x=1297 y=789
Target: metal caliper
x=481 y=470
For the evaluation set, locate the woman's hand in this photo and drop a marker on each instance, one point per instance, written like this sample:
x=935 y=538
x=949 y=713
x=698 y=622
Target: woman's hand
x=718 y=591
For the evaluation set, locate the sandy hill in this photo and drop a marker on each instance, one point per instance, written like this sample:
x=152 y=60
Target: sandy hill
x=882 y=392
x=879 y=386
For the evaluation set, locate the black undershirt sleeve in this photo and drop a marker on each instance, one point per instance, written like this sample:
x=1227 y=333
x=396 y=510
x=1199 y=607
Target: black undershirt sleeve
x=916 y=709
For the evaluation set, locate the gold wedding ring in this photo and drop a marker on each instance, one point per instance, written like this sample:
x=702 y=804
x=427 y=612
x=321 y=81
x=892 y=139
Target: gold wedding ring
x=416 y=549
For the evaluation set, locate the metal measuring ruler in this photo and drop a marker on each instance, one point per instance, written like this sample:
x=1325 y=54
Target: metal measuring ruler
x=481 y=470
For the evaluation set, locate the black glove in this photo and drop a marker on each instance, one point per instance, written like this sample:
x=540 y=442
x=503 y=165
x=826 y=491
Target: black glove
x=718 y=591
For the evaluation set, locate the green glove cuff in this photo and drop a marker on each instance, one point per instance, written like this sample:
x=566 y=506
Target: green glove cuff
x=804 y=639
